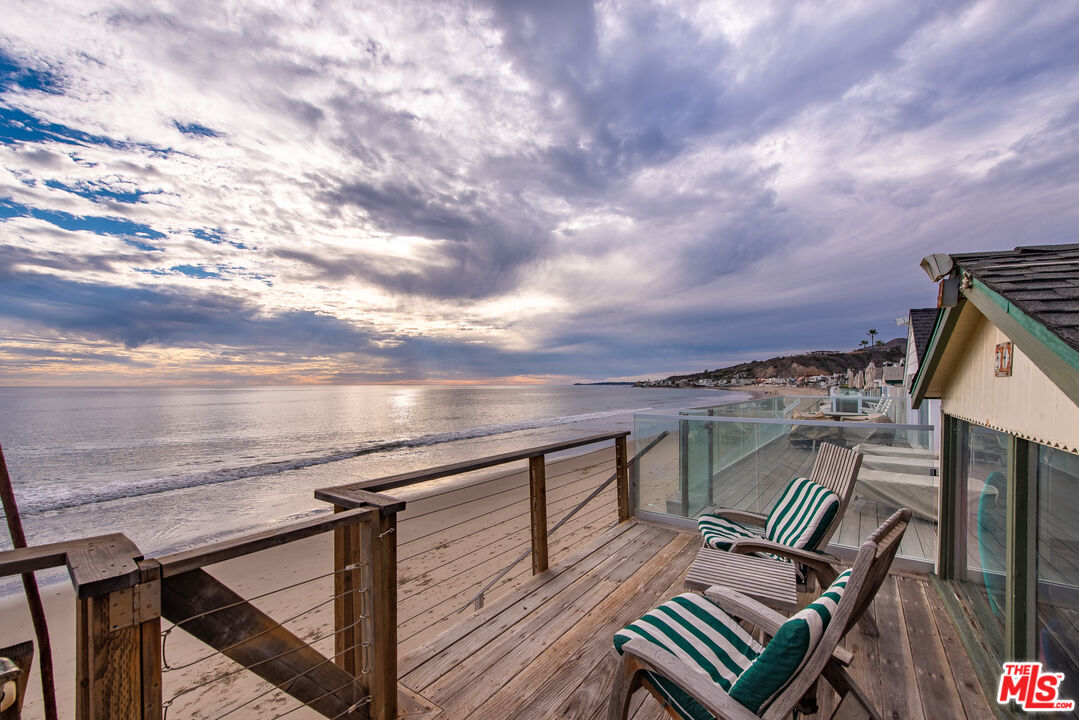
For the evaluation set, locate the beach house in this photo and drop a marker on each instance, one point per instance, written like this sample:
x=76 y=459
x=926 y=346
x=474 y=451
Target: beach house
x=1003 y=358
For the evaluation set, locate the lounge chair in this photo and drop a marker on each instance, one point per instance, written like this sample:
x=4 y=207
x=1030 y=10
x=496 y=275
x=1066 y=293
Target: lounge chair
x=801 y=522
x=694 y=656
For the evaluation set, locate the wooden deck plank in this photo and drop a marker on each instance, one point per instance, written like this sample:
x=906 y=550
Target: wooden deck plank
x=567 y=657
x=449 y=597
x=963 y=675
x=518 y=605
x=490 y=644
x=899 y=695
x=939 y=695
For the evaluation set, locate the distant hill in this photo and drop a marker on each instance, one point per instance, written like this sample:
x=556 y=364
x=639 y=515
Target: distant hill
x=818 y=362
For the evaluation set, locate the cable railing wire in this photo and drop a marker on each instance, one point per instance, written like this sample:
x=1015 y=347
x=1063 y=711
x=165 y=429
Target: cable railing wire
x=478 y=598
x=165 y=633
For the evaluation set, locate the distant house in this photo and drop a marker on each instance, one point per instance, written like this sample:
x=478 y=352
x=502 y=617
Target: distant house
x=1002 y=355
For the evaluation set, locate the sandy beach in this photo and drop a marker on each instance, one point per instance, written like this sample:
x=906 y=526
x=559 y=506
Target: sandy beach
x=452 y=538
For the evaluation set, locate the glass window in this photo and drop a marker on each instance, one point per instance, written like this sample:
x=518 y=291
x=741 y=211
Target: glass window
x=986 y=522
x=1058 y=566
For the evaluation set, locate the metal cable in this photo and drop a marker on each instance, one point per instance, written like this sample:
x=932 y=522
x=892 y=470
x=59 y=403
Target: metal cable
x=243 y=668
x=247 y=702
x=165 y=634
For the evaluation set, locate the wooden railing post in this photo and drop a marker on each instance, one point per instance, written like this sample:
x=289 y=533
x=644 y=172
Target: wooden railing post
x=537 y=492
x=348 y=599
x=118 y=636
x=621 y=461
x=365 y=597
x=380 y=626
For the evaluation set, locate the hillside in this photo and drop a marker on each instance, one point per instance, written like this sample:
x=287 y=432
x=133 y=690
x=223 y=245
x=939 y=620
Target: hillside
x=818 y=362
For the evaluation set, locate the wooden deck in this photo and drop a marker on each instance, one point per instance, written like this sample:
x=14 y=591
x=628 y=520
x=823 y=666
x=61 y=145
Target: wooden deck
x=543 y=650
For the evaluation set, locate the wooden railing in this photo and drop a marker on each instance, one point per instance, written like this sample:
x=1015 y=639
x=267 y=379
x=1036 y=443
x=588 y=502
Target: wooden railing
x=123 y=597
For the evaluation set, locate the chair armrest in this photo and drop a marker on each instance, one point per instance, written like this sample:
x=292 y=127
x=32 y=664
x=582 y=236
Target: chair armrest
x=746 y=608
x=741 y=516
x=768 y=620
x=818 y=562
x=698 y=685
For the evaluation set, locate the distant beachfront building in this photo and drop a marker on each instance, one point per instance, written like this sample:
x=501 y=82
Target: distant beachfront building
x=1002 y=355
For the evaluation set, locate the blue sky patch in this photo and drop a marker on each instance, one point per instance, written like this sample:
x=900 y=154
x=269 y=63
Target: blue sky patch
x=15 y=75
x=17 y=126
x=217 y=236
x=145 y=247
x=98 y=191
x=195 y=130
x=195 y=271
x=95 y=224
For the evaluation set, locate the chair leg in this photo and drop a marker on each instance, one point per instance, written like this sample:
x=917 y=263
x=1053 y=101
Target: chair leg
x=853 y=703
x=867 y=624
x=627 y=679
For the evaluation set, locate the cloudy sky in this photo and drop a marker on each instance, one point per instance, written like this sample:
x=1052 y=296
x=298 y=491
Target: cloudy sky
x=206 y=191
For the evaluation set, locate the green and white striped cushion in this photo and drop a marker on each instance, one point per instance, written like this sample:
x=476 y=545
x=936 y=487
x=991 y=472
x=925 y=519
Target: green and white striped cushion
x=721 y=533
x=788 y=650
x=702 y=636
x=802 y=514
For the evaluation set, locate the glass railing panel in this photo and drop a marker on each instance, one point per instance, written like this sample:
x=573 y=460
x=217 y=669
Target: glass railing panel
x=744 y=464
x=656 y=474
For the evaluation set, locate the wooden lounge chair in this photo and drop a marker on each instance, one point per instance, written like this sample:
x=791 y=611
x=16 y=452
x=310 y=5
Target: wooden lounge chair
x=694 y=656
x=794 y=530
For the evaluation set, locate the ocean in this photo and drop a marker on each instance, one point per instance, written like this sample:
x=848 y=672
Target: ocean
x=176 y=467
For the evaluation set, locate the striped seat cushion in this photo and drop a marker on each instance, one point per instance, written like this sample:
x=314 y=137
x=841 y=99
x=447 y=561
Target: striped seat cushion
x=721 y=533
x=788 y=651
x=701 y=635
x=802 y=514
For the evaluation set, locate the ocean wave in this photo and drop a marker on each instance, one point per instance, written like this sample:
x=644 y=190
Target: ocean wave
x=60 y=498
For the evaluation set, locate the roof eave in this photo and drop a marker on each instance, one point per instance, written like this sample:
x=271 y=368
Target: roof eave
x=942 y=330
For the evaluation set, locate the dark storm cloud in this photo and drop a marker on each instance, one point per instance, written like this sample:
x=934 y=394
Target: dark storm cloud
x=483 y=253
x=138 y=316
x=663 y=85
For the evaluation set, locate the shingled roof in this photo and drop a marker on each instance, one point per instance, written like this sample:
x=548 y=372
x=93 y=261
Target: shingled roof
x=922 y=321
x=1040 y=280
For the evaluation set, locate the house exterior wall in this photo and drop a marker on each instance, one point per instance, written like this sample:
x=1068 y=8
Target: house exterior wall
x=1027 y=404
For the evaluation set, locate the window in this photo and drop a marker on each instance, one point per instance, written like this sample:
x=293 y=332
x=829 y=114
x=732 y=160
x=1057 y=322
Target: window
x=1058 y=566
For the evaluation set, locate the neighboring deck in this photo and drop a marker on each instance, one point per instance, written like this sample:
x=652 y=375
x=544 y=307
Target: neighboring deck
x=543 y=649
x=755 y=482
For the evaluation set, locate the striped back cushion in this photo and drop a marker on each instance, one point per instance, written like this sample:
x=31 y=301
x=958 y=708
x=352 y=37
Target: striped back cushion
x=701 y=635
x=802 y=514
x=788 y=650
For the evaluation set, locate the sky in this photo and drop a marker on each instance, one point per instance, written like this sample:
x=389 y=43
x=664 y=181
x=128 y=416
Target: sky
x=357 y=192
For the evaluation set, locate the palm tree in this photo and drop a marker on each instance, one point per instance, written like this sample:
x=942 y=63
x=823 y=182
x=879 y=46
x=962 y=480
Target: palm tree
x=872 y=333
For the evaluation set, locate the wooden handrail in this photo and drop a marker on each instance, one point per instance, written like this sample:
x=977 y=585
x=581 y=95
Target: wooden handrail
x=339 y=494
x=97 y=565
x=187 y=560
